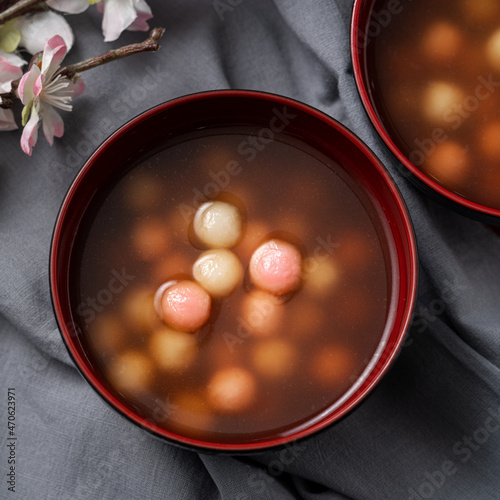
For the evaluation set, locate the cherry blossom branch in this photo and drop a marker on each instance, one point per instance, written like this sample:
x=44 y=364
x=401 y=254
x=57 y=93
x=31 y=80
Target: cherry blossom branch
x=149 y=45
x=18 y=9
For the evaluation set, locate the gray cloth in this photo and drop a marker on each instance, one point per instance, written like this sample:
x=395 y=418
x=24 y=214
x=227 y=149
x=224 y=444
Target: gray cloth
x=431 y=429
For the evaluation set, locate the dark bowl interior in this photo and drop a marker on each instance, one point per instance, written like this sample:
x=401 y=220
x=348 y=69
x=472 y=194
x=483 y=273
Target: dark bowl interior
x=153 y=127
x=369 y=20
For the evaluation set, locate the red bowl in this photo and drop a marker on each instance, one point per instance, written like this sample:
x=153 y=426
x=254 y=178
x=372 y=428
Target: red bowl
x=369 y=19
x=142 y=133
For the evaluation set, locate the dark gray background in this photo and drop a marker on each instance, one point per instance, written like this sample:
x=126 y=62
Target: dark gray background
x=437 y=409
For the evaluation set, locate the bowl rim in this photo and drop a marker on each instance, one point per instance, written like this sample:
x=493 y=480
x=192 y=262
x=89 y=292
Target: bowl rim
x=357 y=54
x=68 y=328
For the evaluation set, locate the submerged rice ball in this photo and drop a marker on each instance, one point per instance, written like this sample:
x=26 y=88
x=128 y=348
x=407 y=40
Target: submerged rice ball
x=231 y=390
x=355 y=252
x=449 y=163
x=262 y=313
x=333 y=366
x=218 y=271
x=138 y=310
x=321 y=275
x=441 y=100
x=489 y=140
x=106 y=333
x=131 y=372
x=190 y=413
x=274 y=358
x=142 y=191
x=173 y=350
x=150 y=239
x=218 y=224
x=493 y=50
x=481 y=11
x=442 y=42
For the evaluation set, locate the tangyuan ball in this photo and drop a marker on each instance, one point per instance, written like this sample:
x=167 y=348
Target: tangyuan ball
x=262 y=313
x=442 y=42
x=442 y=102
x=218 y=271
x=172 y=350
x=448 y=163
x=480 y=12
x=274 y=358
x=231 y=390
x=131 y=372
x=493 y=50
x=276 y=267
x=218 y=224
x=183 y=305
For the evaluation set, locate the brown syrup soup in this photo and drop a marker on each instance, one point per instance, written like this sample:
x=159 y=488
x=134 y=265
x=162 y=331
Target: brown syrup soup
x=435 y=81
x=317 y=341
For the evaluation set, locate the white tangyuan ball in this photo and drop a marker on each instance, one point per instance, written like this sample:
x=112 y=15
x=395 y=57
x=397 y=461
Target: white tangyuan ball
x=218 y=271
x=218 y=224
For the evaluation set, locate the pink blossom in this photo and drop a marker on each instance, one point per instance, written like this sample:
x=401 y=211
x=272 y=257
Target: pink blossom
x=9 y=71
x=119 y=15
x=69 y=6
x=123 y=14
x=41 y=90
x=37 y=28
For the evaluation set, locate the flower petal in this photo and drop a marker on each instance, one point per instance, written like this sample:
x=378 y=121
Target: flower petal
x=25 y=89
x=118 y=16
x=69 y=6
x=30 y=132
x=38 y=28
x=12 y=58
x=144 y=13
x=77 y=87
x=7 y=121
x=53 y=54
x=53 y=125
x=8 y=73
x=38 y=85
